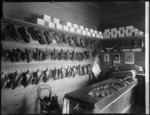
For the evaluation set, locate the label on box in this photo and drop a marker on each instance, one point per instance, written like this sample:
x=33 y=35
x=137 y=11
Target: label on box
x=40 y=21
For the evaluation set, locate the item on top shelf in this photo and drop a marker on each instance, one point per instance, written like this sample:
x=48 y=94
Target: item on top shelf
x=129 y=30
x=51 y=24
x=65 y=28
x=81 y=28
x=121 y=31
x=12 y=30
x=75 y=26
x=113 y=33
x=69 y=24
x=72 y=29
x=40 y=21
x=78 y=31
x=83 y=32
x=59 y=26
x=56 y=21
x=88 y=34
x=23 y=34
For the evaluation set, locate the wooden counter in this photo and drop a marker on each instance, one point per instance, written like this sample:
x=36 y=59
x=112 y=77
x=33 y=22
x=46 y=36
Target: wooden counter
x=117 y=102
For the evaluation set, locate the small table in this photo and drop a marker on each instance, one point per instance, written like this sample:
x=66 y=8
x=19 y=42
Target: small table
x=117 y=102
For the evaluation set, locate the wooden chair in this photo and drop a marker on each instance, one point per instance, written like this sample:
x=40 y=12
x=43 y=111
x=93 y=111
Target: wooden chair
x=48 y=103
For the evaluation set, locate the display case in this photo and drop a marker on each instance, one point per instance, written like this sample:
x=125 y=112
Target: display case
x=115 y=101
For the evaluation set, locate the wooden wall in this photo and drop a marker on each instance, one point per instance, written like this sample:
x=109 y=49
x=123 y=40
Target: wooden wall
x=138 y=56
x=82 y=13
x=24 y=100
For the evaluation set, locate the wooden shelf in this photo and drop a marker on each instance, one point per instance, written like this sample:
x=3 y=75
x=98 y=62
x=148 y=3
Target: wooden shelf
x=37 y=26
x=42 y=65
x=13 y=44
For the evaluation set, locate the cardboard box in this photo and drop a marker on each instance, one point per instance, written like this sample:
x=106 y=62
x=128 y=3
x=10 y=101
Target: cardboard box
x=66 y=28
x=51 y=24
x=69 y=24
x=97 y=35
x=95 y=31
x=88 y=33
x=91 y=30
x=136 y=32
x=40 y=21
x=99 y=32
x=72 y=29
x=56 y=20
x=129 y=31
x=83 y=32
x=104 y=35
x=47 y=17
x=107 y=30
x=81 y=28
x=75 y=26
x=59 y=26
x=101 y=37
x=86 y=29
x=78 y=31
x=93 y=35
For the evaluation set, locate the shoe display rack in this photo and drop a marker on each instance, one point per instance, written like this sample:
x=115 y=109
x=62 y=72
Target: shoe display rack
x=32 y=53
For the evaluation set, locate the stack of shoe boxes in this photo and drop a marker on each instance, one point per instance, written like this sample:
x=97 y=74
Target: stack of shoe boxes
x=82 y=30
x=57 y=23
x=113 y=33
x=121 y=32
x=87 y=32
x=48 y=21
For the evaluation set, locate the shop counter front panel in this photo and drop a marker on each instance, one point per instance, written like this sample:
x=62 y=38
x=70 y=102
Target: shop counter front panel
x=101 y=104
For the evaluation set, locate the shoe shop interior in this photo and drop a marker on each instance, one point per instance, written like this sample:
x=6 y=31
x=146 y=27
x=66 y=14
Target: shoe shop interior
x=75 y=57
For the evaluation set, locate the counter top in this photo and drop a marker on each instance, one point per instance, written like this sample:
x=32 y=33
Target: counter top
x=100 y=102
